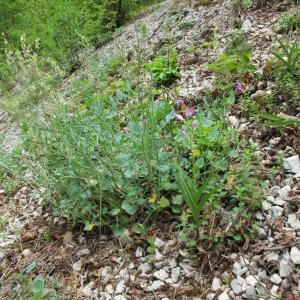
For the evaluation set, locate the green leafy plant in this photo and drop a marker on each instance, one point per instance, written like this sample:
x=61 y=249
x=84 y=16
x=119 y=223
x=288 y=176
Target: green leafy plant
x=289 y=22
x=164 y=68
x=195 y=197
x=289 y=56
x=28 y=288
x=278 y=121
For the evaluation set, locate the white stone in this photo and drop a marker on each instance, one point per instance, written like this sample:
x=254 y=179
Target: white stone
x=224 y=296
x=161 y=274
x=246 y=26
x=250 y=293
x=109 y=289
x=175 y=272
x=266 y=205
x=285 y=269
x=159 y=243
x=156 y=284
x=145 y=268
x=261 y=233
x=26 y=253
x=293 y=221
x=275 y=278
x=236 y=287
x=271 y=256
x=158 y=255
x=284 y=192
x=274 y=191
x=121 y=287
x=216 y=284
x=2 y=255
x=251 y=280
x=238 y=270
x=275 y=292
x=234 y=121
x=276 y=211
x=292 y=164
x=87 y=290
x=139 y=252
x=210 y=296
x=295 y=255
x=119 y=297
x=77 y=266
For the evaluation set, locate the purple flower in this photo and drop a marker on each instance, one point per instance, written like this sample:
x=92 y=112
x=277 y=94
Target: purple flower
x=195 y=123
x=179 y=117
x=179 y=103
x=248 y=87
x=239 y=88
x=189 y=112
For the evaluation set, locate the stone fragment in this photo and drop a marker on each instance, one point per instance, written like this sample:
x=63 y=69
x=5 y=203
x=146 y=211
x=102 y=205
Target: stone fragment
x=159 y=243
x=250 y=293
x=271 y=256
x=121 y=287
x=266 y=205
x=224 y=296
x=216 y=284
x=109 y=289
x=295 y=255
x=119 y=297
x=156 y=284
x=26 y=253
x=210 y=296
x=261 y=233
x=293 y=221
x=145 y=268
x=275 y=278
x=234 y=121
x=139 y=252
x=158 y=255
x=284 y=192
x=77 y=266
x=246 y=26
x=275 y=292
x=87 y=290
x=236 y=287
x=175 y=272
x=83 y=252
x=161 y=274
x=292 y=164
x=276 y=211
x=238 y=270
x=259 y=96
x=2 y=255
x=251 y=280
x=285 y=269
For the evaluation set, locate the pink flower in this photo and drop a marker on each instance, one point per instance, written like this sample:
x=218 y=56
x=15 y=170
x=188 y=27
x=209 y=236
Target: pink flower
x=179 y=117
x=179 y=103
x=248 y=87
x=189 y=112
x=195 y=123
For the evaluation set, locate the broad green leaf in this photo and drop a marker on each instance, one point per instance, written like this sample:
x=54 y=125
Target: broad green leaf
x=130 y=208
x=178 y=199
x=139 y=228
x=163 y=202
x=117 y=230
x=38 y=285
x=88 y=226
